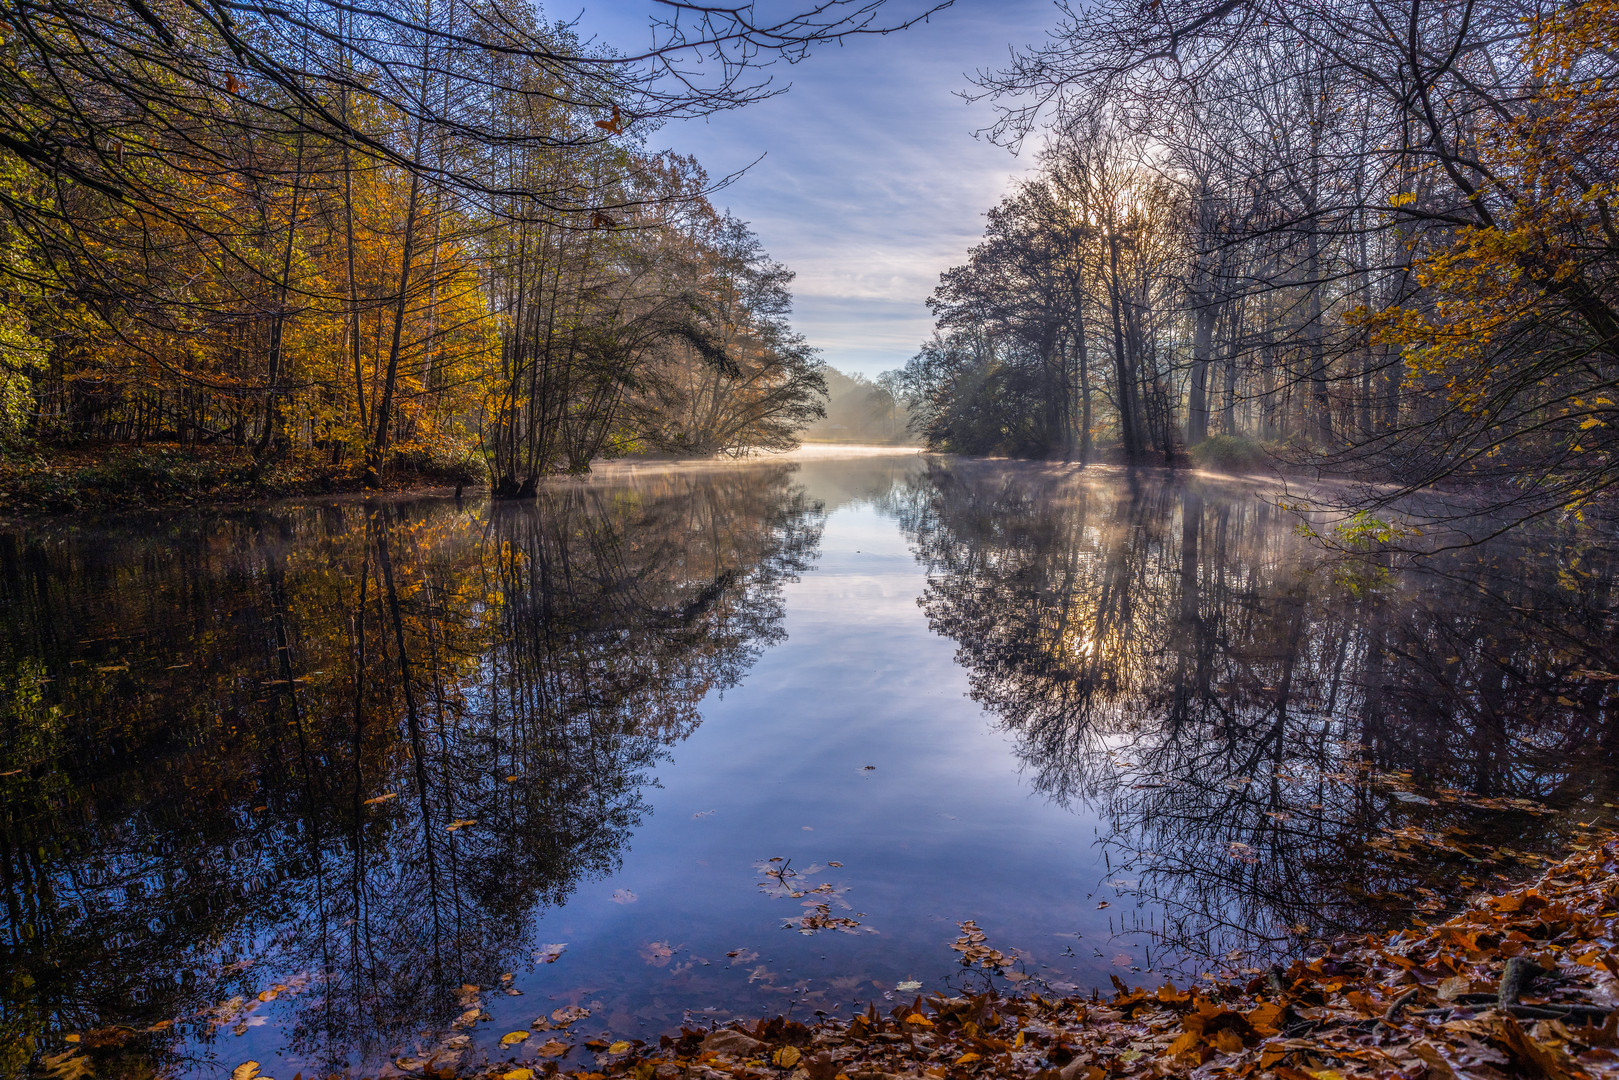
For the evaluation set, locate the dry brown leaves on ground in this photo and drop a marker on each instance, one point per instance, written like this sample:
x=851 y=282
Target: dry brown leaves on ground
x=1521 y=984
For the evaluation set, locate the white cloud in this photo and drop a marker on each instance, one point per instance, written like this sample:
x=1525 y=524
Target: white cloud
x=872 y=183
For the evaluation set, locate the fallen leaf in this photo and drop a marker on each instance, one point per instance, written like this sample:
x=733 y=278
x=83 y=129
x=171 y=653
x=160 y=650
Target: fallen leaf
x=619 y=1047
x=382 y=798
x=460 y=823
x=1452 y=988
x=553 y=1048
x=67 y=1065
x=247 y=1070
x=569 y=1014
x=657 y=953
x=518 y=1074
x=548 y=954
x=786 y=1057
x=512 y=1038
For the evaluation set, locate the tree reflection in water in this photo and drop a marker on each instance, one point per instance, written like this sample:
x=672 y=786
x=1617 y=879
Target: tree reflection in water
x=204 y=722
x=1271 y=732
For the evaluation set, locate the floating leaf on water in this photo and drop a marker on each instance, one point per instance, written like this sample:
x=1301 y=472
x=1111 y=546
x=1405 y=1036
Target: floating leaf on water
x=460 y=823
x=553 y=1048
x=518 y=1074
x=569 y=1014
x=247 y=1070
x=382 y=798
x=1102 y=904
x=908 y=985
x=512 y=1038
x=548 y=954
x=622 y=896
x=835 y=864
x=657 y=953
x=68 y=1065
x=619 y=1047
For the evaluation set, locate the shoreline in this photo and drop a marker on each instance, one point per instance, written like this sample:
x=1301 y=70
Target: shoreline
x=1523 y=982
x=120 y=478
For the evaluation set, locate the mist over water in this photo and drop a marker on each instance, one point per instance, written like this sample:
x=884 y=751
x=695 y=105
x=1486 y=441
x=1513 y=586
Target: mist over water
x=324 y=785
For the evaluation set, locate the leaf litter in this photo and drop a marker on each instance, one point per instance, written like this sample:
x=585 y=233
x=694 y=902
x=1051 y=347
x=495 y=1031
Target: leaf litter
x=1521 y=984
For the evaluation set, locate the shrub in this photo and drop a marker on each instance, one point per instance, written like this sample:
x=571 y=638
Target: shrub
x=1230 y=454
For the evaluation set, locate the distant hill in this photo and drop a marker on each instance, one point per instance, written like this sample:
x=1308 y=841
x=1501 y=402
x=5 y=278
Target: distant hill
x=859 y=411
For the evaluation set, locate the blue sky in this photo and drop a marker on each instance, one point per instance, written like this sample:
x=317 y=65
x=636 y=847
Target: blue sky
x=872 y=182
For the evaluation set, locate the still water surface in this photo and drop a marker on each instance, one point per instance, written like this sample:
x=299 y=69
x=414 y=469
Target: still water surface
x=324 y=785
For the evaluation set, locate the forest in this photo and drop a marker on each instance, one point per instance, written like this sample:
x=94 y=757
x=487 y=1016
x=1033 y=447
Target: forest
x=1372 y=237
x=418 y=235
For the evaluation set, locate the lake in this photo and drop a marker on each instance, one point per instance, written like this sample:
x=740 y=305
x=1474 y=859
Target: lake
x=331 y=785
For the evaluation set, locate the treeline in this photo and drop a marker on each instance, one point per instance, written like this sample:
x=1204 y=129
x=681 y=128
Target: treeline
x=424 y=228
x=860 y=410
x=1374 y=234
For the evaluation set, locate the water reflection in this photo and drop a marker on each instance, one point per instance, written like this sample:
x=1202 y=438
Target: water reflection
x=287 y=782
x=360 y=744
x=1286 y=744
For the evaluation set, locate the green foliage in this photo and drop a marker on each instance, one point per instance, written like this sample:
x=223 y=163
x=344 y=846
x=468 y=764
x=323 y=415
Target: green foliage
x=1230 y=454
x=966 y=397
x=1363 y=531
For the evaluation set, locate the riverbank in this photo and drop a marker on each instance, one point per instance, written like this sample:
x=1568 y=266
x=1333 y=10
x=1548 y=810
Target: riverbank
x=1523 y=983
x=156 y=475
x=159 y=475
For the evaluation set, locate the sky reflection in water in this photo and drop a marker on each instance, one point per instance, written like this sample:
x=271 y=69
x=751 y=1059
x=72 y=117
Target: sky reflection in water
x=1127 y=726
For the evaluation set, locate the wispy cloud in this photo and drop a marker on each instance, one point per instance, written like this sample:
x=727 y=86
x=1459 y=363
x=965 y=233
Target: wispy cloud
x=872 y=182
